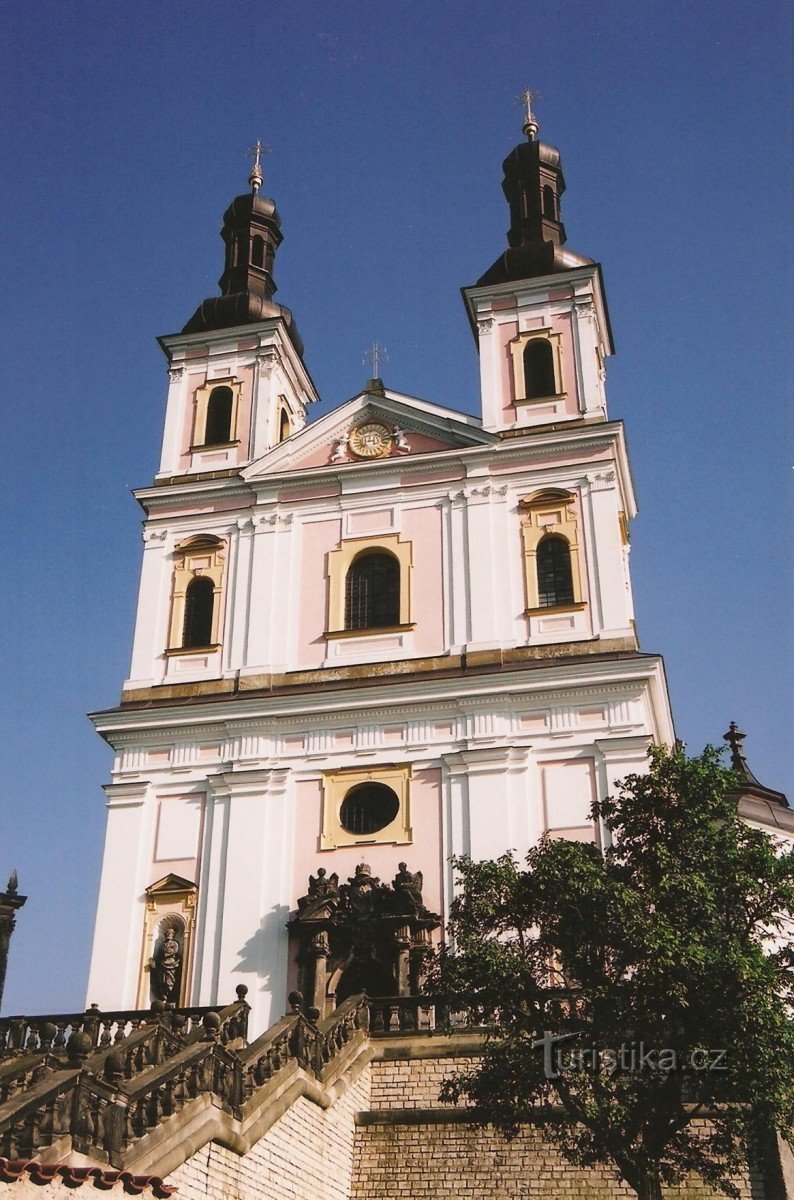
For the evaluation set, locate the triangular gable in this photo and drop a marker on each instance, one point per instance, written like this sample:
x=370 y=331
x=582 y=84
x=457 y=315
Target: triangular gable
x=168 y=884
x=415 y=427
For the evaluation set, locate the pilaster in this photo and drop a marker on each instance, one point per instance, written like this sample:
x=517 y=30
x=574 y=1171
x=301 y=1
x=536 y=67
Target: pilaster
x=115 y=960
x=253 y=894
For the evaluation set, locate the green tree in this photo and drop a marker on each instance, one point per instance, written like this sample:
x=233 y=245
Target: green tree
x=674 y=943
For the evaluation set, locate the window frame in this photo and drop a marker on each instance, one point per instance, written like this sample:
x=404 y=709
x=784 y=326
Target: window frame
x=517 y=347
x=358 y=602
x=338 y=564
x=204 y=554
x=337 y=785
x=550 y=511
x=201 y=398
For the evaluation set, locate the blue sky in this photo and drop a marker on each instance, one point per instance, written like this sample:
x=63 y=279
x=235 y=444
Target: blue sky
x=126 y=132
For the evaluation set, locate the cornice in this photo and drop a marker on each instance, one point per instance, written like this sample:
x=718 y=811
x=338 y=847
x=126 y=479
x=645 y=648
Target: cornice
x=387 y=472
x=329 y=704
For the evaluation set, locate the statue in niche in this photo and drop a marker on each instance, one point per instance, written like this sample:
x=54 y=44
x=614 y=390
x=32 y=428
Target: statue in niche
x=408 y=887
x=166 y=967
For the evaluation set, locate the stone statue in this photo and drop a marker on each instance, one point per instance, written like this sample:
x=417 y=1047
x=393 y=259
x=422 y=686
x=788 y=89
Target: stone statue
x=165 y=967
x=400 y=438
x=324 y=884
x=340 y=449
x=408 y=886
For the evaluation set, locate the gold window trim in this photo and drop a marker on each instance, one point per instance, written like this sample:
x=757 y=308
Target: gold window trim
x=337 y=784
x=551 y=511
x=200 y=555
x=169 y=897
x=340 y=562
x=200 y=403
x=517 y=347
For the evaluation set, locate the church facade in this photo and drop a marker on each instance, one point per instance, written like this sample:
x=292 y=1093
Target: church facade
x=369 y=642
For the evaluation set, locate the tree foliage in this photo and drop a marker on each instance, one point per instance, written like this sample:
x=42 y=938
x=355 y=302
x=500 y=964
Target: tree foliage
x=674 y=942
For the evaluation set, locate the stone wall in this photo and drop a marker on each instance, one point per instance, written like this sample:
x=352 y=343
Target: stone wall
x=411 y=1146
x=306 y=1155
x=413 y=1082
x=452 y=1161
x=389 y=1138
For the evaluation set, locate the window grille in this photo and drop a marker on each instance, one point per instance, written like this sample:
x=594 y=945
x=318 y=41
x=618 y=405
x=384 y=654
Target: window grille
x=367 y=808
x=372 y=592
x=555 y=580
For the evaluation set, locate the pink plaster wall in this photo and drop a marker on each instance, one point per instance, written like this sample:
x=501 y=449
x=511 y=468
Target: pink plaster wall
x=423 y=854
x=518 y=466
x=195 y=380
x=198 y=379
x=318 y=538
x=570 y=384
x=422 y=527
x=448 y=474
x=318 y=491
x=420 y=443
x=246 y=375
x=506 y=333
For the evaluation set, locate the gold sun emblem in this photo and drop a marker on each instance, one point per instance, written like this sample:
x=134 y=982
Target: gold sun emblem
x=370 y=440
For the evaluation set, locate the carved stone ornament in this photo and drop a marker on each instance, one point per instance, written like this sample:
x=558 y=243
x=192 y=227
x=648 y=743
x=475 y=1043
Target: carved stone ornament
x=166 y=967
x=372 y=439
x=176 y=373
x=362 y=935
x=340 y=448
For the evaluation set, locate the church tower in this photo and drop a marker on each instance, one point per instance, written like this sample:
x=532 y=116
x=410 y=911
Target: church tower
x=369 y=642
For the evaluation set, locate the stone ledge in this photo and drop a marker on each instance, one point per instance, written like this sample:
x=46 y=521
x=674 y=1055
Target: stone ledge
x=395 y=1047
x=370 y=674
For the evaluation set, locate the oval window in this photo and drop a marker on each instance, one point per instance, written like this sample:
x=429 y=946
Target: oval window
x=367 y=808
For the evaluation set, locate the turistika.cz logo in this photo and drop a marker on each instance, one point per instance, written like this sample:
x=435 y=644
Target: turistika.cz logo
x=629 y=1058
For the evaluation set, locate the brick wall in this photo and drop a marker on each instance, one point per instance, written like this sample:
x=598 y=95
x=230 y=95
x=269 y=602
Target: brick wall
x=306 y=1155
x=413 y=1082
x=404 y=1157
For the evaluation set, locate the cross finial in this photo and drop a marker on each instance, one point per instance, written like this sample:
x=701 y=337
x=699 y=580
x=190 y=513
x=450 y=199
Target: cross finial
x=374 y=356
x=530 y=125
x=255 y=178
x=734 y=737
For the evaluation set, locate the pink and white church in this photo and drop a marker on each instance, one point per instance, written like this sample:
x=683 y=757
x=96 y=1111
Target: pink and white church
x=369 y=642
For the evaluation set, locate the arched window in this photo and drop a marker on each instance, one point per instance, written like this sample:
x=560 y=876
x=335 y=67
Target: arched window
x=219 y=417
x=555 y=579
x=539 y=369
x=258 y=252
x=368 y=808
x=372 y=591
x=199 y=599
x=549 y=203
x=283 y=428
x=240 y=249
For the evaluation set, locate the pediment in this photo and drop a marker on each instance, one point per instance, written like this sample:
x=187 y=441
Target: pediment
x=404 y=427
x=168 y=884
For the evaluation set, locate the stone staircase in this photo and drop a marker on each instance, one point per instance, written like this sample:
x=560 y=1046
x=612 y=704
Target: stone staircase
x=341 y=1109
